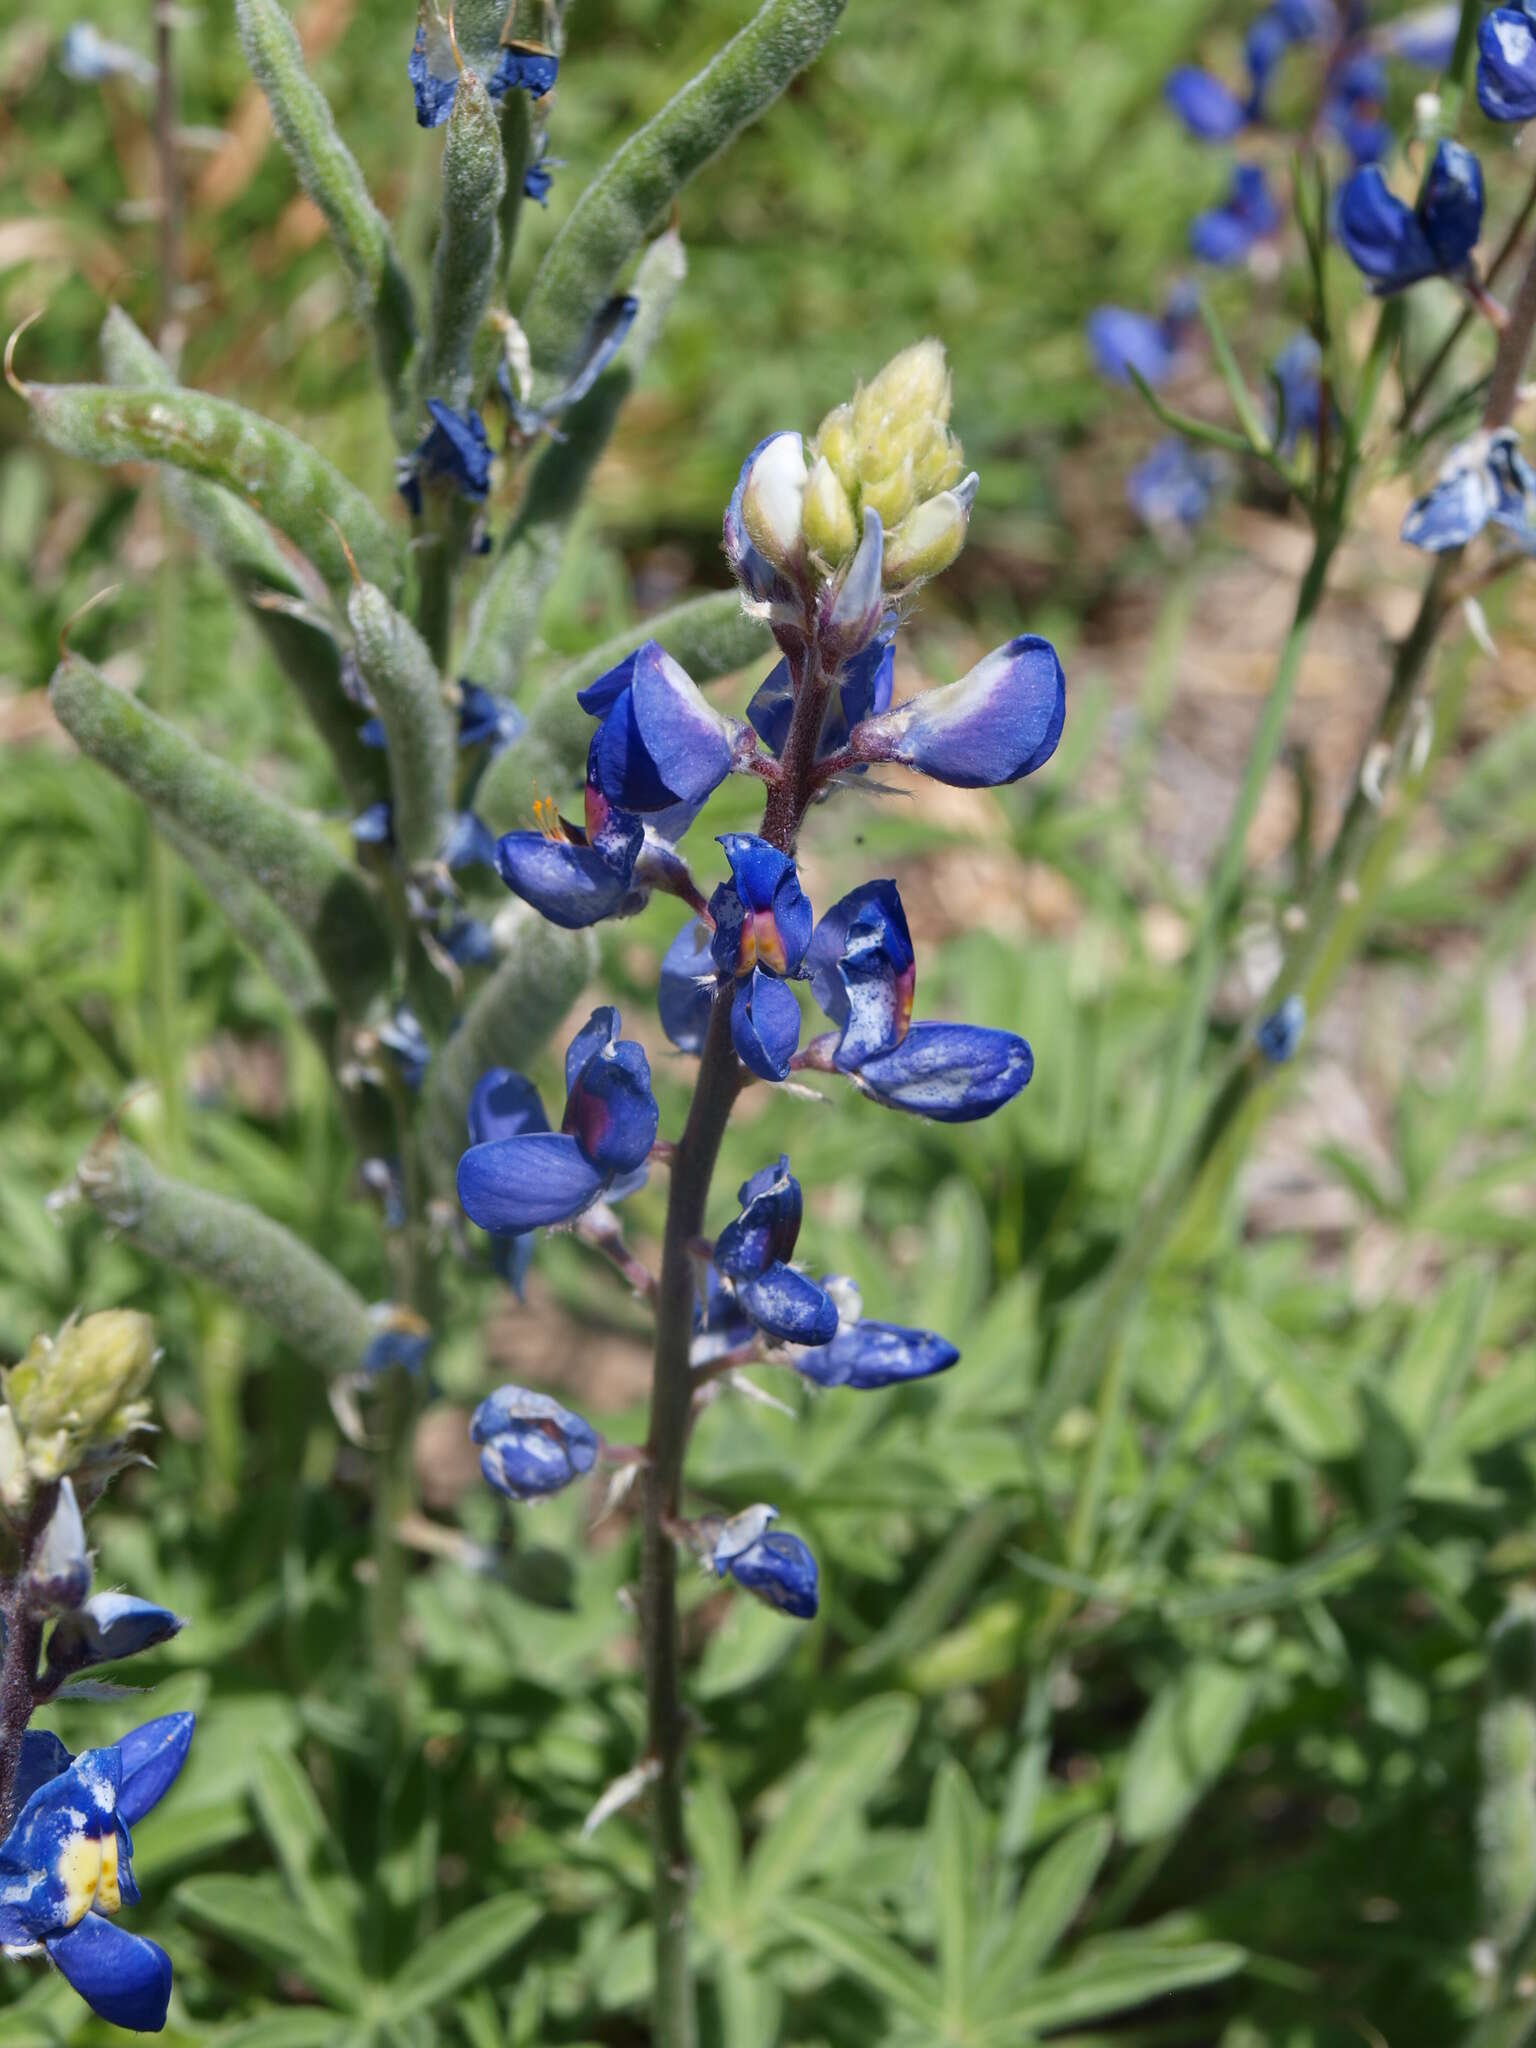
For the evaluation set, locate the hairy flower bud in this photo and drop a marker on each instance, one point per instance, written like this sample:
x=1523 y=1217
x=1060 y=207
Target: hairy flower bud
x=929 y=538
x=82 y=1391
x=772 y=501
x=826 y=517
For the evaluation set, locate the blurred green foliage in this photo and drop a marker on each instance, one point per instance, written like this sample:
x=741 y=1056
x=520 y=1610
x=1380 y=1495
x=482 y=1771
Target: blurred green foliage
x=1243 y=1779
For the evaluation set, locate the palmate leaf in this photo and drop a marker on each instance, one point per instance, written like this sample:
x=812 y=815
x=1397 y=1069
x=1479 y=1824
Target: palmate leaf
x=1119 y=1976
x=1182 y=1746
x=253 y=1913
x=848 y=1938
x=301 y=1838
x=458 y=1953
x=1055 y=1893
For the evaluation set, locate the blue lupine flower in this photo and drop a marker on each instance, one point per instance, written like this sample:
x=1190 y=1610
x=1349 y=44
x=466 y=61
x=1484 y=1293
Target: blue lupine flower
x=470 y=843
x=1278 y=1035
x=770 y=1563
x=486 y=720
x=765 y=1025
x=529 y=1445
x=433 y=70
x=537 y=180
x=605 y=337
x=862 y=973
x=753 y=1253
x=469 y=942
x=89 y=58
x=453 y=451
x=864 y=686
x=504 y=1104
x=106 y=1627
x=1297 y=372
x=997 y=724
x=1506 y=64
x=1224 y=234
x=376 y=825
x=534 y=1175
x=1172 y=489
x=689 y=979
x=865 y=1354
x=661 y=747
x=1121 y=341
x=400 y=1338
x=1486 y=479
x=762 y=917
x=575 y=875
x=1210 y=110
x=1397 y=245
x=526 y=69
x=67 y=1864
x=1426 y=37
x=720 y=1324
x=404 y=1040
x=1352 y=107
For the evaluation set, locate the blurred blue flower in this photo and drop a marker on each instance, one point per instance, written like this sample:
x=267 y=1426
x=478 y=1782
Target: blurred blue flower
x=453 y=451
x=1224 y=234
x=604 y=339
x=433 y=70
x=1483 y=480
x=689 y=978
x=528 y=69
x=1357 y=91
x=778 y=1568
x=1397 y=245
x=537 y=180
x=1506 y=64
x=1427 y=37
x=1297 y=372
x=89 y=58
x=997 y=724
x=400 y=1338
x=1121 y=341
x=518 y=1179
x=1173 y=488
x=1210 y=110
x=529 y=1445
x=1278 y=1035
x=753 y=1253
x=67 y=1865
x=406 y=1043
x=486 y=720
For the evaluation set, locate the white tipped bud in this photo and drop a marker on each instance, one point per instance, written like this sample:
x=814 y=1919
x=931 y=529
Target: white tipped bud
x=826 y=519
x=859 y=603
x=774 y=499
x=928 y=540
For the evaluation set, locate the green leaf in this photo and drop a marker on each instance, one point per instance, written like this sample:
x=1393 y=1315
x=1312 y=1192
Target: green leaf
x=460 y=1952
x=1320 y=1421
x=249 y=1912
x=957 y=1854
x=261 y=927
x=947 y=1580
x=322 y=895
x=849 y=1765
x=613 y=216
x=1056 y=1892
x=710 y=636
x=288 y=483
x=1182 y=1747
x=300 y=1836
x=1437 y=1354
x=1114 y=1979
x=309 y=2029
x=847 y=1939
x=328 y=172
x=254 y=1260
x=1248 y=419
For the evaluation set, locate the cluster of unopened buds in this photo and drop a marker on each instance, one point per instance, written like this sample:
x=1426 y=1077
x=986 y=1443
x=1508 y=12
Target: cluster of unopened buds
x=829 y=543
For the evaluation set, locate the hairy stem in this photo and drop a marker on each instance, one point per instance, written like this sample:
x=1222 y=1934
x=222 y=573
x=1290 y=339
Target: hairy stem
x=18 y=1662
x=693 y=1166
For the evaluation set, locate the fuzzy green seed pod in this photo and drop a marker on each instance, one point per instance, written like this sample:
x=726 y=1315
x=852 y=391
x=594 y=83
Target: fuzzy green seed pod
x=289 y=484
x=465 y=266
x=400 y=673
x=326 y=898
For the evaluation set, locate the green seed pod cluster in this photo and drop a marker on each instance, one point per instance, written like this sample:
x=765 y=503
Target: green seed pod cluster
x=73 y=1400
x=1506 y=1812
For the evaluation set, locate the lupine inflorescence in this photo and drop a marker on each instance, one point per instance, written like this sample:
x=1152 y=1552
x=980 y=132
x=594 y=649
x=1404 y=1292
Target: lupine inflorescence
x=71 y=1409
x=830 y=540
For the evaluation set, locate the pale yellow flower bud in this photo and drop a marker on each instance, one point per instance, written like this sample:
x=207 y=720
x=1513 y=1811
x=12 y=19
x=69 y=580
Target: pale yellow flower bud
x=835 y=441
x=826 y=517
x=80 y=1392
x=927 y=540
x=894 y=495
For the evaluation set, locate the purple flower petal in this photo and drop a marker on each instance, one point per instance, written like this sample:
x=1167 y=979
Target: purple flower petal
x=573 y=886
x=123 y=1978
x=997 y=724
x=1211 y=111
x=779 y=1569
x=789 y=1306
x=765 y=1025
x=521 y=1183
x=953 y=1073
x=503 y=1104
x=863 y=971
x=687 y=987
x=866 y=1355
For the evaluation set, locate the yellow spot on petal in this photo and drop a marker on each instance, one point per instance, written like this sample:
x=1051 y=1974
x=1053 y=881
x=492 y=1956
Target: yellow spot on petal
x=108 y=1897
x=79 y=1873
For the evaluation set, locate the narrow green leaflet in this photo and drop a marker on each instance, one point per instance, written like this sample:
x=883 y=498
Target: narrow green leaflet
x=1319 y=1420
x=448 y=1960
x=616 y=212
x=848 y=1939
x=301 y=1837
x=957 y=1850
x=848 y=1767
x=250 y=1912
x=1056 y=1892
x=328 y=172
x=256 y=1261
x=1182 y=1747
x=288 y=483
